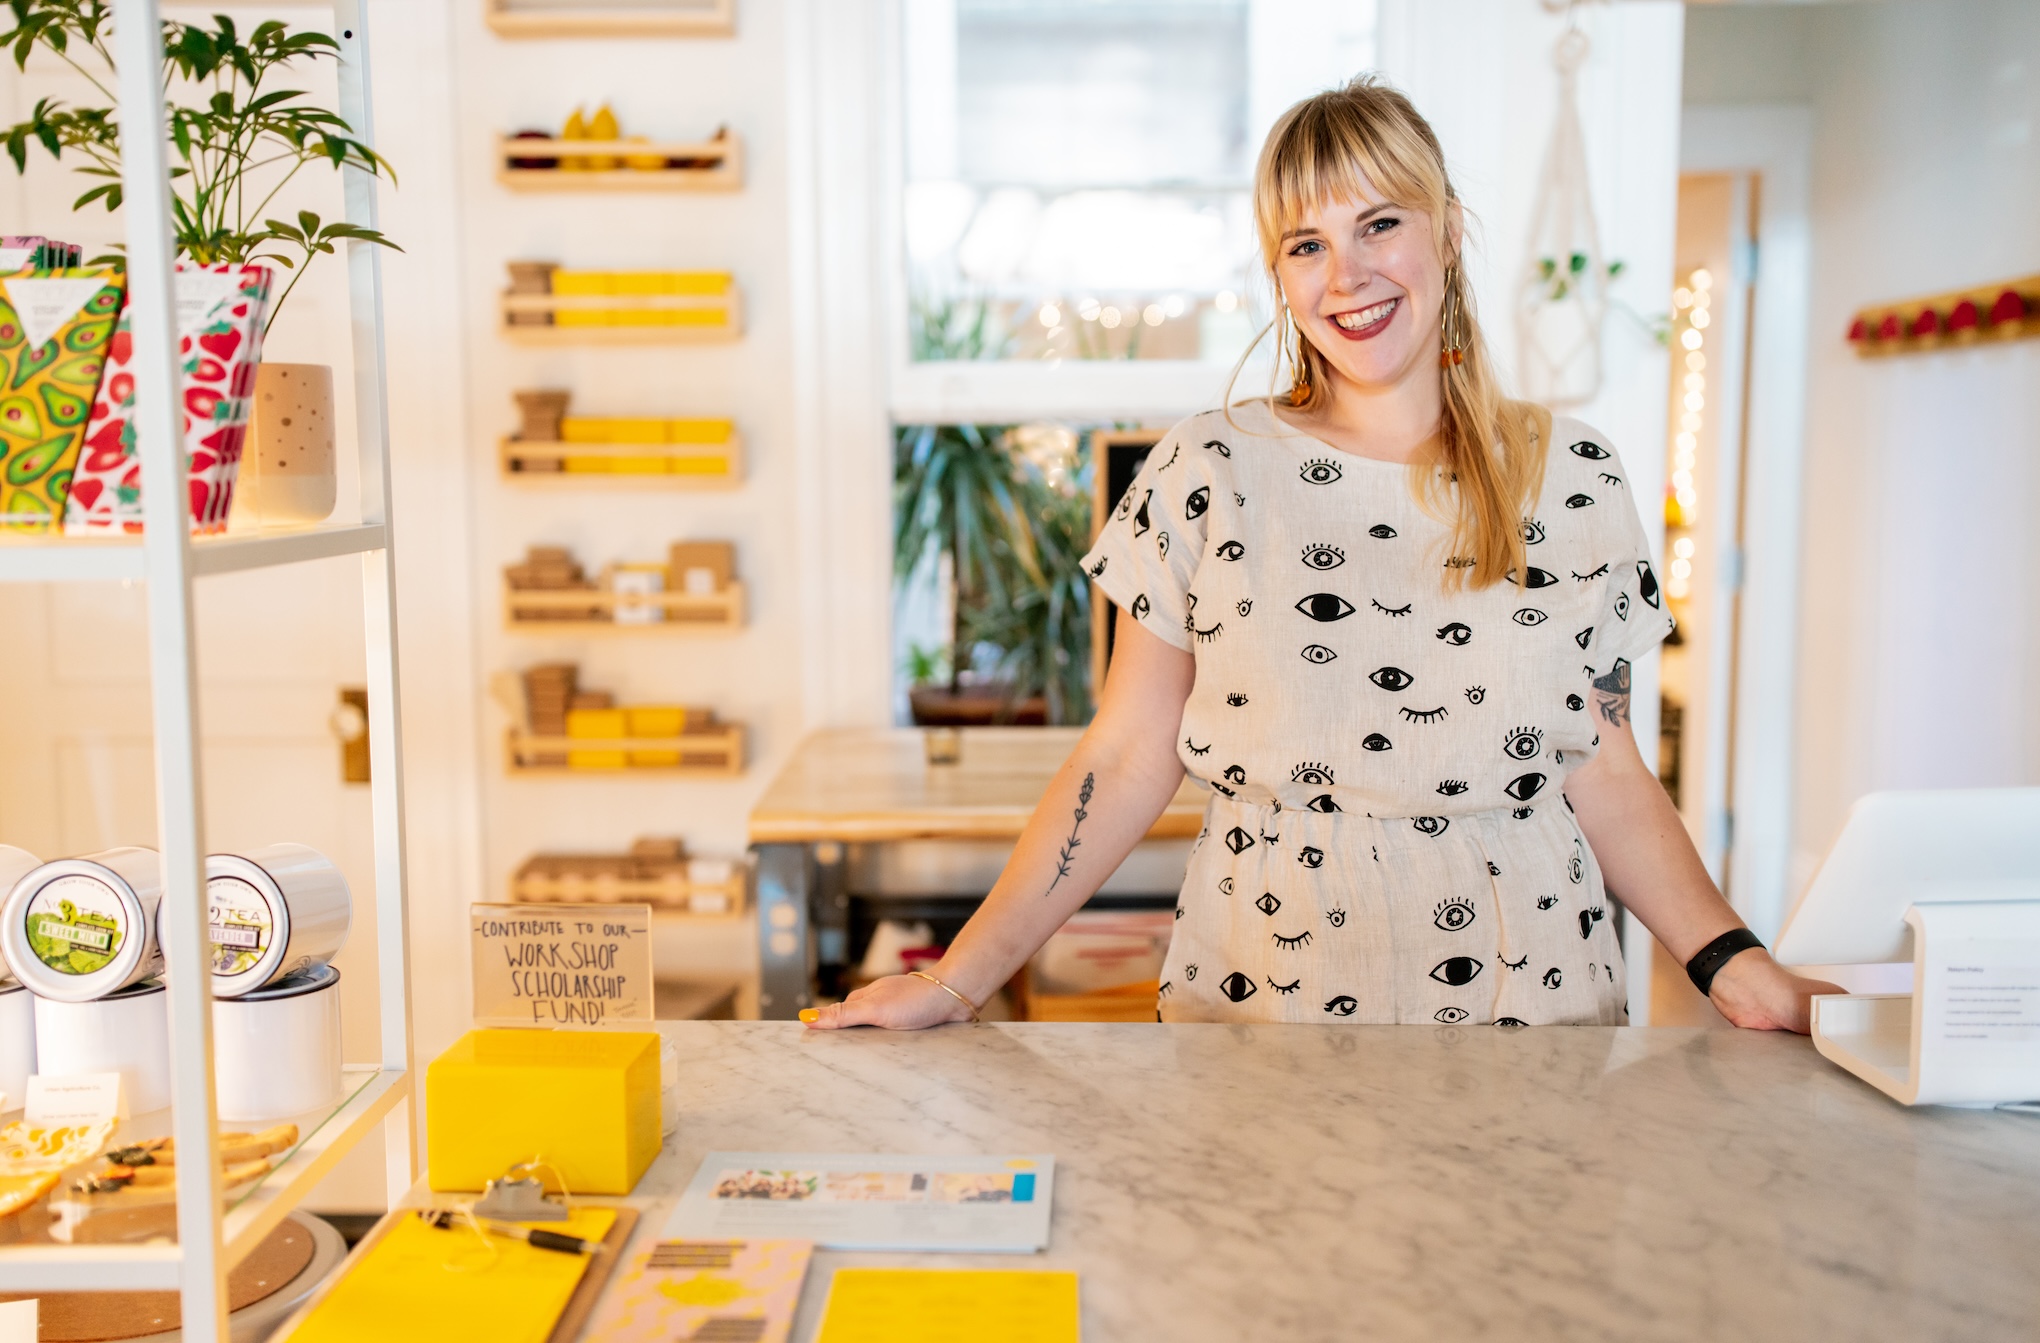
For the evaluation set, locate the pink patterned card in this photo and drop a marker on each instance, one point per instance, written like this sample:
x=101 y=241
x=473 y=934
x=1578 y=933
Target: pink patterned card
x=219 y=328
x=719 y=1289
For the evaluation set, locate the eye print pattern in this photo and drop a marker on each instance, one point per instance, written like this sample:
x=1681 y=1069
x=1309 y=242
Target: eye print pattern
x=1531 y=726
x=1325 y=607
x=1456 y=970
x=1454 y=914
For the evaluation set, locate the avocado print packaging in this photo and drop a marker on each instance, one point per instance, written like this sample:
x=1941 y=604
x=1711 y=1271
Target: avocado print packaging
x=79 y=929
x=28 y=251
x=55 y=328
x=219 y=326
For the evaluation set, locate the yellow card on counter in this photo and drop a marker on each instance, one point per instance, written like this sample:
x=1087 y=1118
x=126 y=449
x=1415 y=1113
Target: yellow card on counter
x=427 y=1284
x=940 y=1305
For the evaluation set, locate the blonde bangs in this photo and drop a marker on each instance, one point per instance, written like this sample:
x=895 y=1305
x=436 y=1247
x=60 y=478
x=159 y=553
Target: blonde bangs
x=1368 y=140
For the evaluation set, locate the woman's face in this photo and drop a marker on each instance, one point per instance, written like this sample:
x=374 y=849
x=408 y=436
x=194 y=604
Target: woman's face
x=1365 y=283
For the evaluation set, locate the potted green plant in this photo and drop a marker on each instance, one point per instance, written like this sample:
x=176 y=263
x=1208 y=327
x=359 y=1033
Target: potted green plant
x=234 y=146
x=1013 y=541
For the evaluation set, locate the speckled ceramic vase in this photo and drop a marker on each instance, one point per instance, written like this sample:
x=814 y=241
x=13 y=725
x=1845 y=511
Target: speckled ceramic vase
x=287 y=465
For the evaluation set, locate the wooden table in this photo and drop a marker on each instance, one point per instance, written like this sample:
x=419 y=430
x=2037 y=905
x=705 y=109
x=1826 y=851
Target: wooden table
x=872 y=786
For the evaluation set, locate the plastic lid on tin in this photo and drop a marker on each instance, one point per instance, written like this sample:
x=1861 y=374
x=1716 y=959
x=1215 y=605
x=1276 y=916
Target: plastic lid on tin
x=80 y=929
x=248 y=920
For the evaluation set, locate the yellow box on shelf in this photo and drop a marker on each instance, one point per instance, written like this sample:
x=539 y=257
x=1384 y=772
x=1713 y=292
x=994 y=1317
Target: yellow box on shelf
x=656 y=720
x=700 y=431
x=596 y=725
x=583 y=1103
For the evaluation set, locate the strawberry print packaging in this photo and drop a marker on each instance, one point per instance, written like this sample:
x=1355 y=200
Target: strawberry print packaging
x=219 y=339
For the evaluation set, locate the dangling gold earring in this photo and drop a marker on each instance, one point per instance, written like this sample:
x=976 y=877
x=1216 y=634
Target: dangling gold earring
x=1452 y=323
x=1300 y=391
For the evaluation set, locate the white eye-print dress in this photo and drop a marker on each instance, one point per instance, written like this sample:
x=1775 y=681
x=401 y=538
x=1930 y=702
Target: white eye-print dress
x=1387 y=839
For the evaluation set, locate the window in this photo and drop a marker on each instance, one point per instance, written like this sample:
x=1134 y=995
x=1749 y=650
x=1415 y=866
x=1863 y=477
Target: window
x=1078 y=172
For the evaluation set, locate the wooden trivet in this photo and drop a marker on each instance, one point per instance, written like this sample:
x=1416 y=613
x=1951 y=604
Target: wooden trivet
x=100 y=1317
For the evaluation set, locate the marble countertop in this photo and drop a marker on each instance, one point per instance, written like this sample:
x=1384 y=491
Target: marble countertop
x=1296 y=1183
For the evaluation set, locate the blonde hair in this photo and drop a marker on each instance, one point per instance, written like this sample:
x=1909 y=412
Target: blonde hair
x=1488 y=464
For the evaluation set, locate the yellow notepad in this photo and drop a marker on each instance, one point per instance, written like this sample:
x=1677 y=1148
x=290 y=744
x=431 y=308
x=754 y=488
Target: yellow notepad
x=941 y=1305
x=423 y=1284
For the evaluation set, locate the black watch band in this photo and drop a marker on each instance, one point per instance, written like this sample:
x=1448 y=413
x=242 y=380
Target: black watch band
x=1707 y=962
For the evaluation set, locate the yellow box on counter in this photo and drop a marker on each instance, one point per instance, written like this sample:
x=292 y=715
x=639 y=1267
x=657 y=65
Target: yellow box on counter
x=584 y=1103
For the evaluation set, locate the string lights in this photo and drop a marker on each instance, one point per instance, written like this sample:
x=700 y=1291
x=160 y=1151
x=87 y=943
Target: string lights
x=1691 y=319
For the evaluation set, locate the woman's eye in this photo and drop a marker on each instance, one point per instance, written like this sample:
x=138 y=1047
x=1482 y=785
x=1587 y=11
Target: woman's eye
x=1306 y=248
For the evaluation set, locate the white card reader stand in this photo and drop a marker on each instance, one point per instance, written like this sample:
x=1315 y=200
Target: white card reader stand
x=1957 y=875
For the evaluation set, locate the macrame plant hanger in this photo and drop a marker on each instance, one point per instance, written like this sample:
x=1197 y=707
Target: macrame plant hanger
x=1562 y=302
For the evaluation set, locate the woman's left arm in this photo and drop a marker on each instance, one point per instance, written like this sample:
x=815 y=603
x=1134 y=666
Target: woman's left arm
x=1649 y=864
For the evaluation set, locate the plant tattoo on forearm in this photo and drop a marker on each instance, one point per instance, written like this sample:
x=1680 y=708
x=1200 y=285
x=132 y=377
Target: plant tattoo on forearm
x=1611 y=693
x=1066 y=857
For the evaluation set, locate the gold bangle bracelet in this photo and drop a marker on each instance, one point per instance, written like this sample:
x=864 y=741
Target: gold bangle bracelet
x=923 y=974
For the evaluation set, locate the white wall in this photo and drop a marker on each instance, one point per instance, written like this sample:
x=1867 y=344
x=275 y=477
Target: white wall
x=1921 y=603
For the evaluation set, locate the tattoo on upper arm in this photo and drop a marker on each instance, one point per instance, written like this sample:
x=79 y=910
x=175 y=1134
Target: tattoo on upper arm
x=1066 y=857
x=1611 y=693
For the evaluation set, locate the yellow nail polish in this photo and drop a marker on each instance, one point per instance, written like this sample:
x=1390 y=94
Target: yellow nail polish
x=809 y=1014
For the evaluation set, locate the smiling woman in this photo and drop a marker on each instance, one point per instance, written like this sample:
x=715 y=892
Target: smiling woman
x=1415 y=816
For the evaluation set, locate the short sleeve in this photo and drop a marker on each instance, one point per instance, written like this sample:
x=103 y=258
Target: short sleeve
x=1634 y=618
x=1147 y=552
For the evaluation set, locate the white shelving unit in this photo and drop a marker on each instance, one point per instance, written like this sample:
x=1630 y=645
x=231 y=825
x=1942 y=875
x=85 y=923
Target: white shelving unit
x=216 y=1232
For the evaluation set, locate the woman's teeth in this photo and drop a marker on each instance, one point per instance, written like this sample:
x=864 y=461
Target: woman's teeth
x=1366 y=317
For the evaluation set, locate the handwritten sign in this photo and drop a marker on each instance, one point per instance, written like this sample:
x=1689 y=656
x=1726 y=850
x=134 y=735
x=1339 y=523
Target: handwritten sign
x=561 y=965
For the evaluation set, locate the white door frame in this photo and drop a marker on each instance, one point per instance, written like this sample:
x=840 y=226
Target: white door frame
x=1775 y=143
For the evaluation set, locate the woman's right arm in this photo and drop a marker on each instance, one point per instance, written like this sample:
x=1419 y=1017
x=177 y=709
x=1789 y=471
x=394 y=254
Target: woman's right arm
x=1100 y=804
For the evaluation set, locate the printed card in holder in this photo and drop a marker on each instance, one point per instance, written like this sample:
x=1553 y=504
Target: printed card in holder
x=83 y=1100
x=561 y=965
x=977 y=1204
x=743 y=1290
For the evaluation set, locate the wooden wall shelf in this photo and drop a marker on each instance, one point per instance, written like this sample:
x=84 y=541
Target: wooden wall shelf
x=689 y=466
x=1955 y=320
x=708 y=18
x=707 y=318
x=722 y=165
x=714 y=613
x=672 y=893
x=717 y=752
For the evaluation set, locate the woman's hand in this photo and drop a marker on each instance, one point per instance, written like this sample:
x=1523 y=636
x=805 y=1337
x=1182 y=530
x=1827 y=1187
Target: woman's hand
x=897 y=1003
x=1755 y=992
